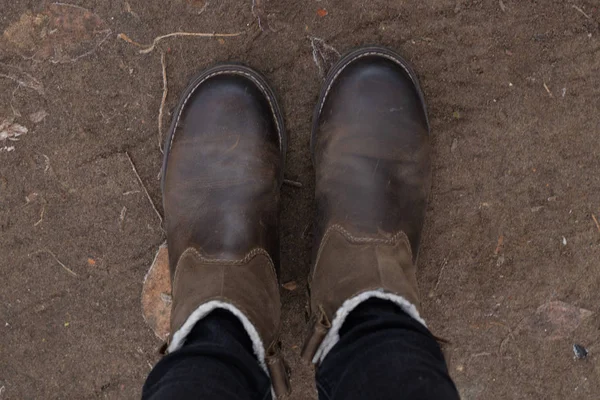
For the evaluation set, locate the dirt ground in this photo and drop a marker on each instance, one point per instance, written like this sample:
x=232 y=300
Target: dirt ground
x=509 y=266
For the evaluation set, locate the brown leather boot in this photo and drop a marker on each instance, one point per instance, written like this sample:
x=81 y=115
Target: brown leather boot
x=222 y=172
x=370 y=146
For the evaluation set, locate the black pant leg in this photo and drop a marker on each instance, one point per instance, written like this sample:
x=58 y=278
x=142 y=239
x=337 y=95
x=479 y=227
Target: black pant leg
x=215 y=363
x=384 y=354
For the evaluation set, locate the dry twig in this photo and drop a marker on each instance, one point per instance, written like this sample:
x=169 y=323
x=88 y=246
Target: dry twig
x=548 y=90
x=204 y=7
x=324 y=55
x=10 y=130
x=144 y=187
x=130 y=11
x=55 y=259
x=47 y=162
x=499 y=245
x=257 y=11
x=122 y=217
x=41 y=215
x=502 y=6
x=596 y=222
x=15 y=112
x=292 y=183
x=148 y=48
x=306 y=229
x=21 y=78
x=581 y=11
x=163 y=100
x=437 y=283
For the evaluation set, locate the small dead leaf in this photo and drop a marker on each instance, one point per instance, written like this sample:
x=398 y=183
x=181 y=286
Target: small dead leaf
x=32 y=197
x=91 y=262
x=60 y=33
x=156 y=293
x=197 y=6
x=500 y=244
x=554 y=320
x=10 y=130
x=321 y=12
x=291 y=286
x=324 y=55
x=67 y=324
x=38 y=117
x=454 y=145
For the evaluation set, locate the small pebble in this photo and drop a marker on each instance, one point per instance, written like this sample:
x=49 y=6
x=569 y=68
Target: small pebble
x=500 y=260
x=166 y=298
x=580 y=351
x=454 y=145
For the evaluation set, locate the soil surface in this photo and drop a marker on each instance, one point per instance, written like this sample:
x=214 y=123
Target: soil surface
x=509 y=264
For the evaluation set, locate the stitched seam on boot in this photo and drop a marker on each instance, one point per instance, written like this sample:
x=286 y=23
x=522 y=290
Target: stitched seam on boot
x=249 y=256
x=247 y=75
x=216 y=261
x=400 y=236
x=370 y=53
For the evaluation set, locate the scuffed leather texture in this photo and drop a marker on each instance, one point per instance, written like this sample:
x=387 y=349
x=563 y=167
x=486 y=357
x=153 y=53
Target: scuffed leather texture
x=371 y=154
x=221 y=188
x=221 y=180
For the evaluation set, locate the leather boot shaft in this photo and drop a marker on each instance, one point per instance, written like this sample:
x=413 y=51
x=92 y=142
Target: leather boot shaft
x=222 y=174
x=372 y=163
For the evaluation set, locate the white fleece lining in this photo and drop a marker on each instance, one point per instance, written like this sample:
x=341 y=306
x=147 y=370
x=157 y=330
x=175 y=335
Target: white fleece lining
x=333 y=336
x=202 y=311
